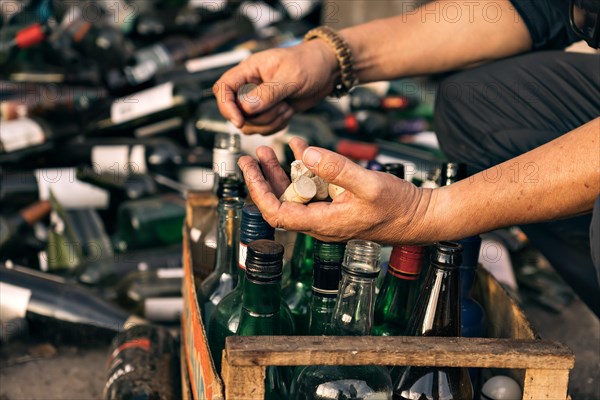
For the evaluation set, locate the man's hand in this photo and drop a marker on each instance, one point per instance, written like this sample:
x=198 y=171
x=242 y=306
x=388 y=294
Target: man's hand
x=284 y=81
x=375 y=206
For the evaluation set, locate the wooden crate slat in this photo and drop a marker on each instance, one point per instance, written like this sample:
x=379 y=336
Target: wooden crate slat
x=543 y=384
x=246 y=383
x=418 y=351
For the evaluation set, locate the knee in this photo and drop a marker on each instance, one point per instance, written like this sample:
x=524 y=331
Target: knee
x=455 y=119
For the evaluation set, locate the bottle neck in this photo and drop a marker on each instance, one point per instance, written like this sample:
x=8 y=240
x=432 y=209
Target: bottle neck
x=262 y=298
x=406 y=263
x=353 y=315
x=437 y=312
x=302 y=258
x=228 y=237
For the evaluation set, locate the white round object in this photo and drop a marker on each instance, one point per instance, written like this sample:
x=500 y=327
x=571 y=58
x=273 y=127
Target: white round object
x=501 y=387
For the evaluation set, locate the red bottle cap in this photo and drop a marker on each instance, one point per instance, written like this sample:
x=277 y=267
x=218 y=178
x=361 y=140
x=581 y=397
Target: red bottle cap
x=357 y=150
x=405 y=262
x=30 y=36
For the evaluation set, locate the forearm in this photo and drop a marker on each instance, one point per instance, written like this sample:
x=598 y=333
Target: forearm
x=439 y=36
x=557 y=180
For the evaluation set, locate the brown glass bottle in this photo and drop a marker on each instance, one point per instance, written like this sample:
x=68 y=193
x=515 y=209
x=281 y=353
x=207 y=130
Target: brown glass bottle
x=437 y=313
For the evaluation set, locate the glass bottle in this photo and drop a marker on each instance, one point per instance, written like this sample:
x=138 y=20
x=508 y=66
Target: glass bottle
x=143 y=364
x=262 y=302
x=24 y=38
x=297 y=292
x=224 y=278
x=12 y=225
x=24 y=137
x=150 y=222
x=57 y=309
x=399 y=291
x=326 y=281
x=226 y=317
x=26 y=187
x=154 y=295
x=353 y=316
x=226 y=176
x=437 y=313
x=452 y=172
x=472 y=315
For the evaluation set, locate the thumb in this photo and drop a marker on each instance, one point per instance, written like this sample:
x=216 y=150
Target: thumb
x=256 y=99
x=336 y=169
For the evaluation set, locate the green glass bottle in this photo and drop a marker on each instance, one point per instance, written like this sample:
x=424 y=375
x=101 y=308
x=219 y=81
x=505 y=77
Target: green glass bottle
x=225 y=319
x=353 y=315
x=437 y=313
x=297 y=292
x=155 y=221
x=224 y=278
x=326 y=280
x=261 y=304
x=399 y=291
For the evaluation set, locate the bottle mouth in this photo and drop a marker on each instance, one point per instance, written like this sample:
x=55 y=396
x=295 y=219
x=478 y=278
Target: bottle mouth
x=362 y=258
x=447 y=254
x=264 y=261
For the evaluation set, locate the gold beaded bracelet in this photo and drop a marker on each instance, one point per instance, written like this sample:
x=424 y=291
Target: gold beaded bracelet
x=348 y=79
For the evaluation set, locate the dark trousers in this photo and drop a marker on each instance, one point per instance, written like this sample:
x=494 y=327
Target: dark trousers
x=492 y=113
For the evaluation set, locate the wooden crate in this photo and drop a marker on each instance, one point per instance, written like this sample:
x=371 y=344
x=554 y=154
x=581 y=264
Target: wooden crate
x=542 y=367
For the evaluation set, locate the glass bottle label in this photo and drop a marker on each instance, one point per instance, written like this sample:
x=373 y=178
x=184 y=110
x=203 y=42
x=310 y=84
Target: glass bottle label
x=13 y=301
x=163 y=308
x=217 y=60
x=142 y=103
x=19 y=134
x=169 y=273
x=243 y=253
x=68 y=191
x=225 y=162
x=119 y=160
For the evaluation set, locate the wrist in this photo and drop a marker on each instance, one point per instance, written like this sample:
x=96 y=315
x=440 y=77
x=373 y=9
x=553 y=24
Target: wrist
x=427 y=223
x=326 y=56
x=343 y=53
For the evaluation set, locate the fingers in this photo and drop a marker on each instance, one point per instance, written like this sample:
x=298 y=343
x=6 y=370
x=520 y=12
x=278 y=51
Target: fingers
x=226 y=88
x=272 y=170
x=289 y=216
x=268 y=123
x=339 y=170
x=298 y=146
x=258 y=99
x=259 y=189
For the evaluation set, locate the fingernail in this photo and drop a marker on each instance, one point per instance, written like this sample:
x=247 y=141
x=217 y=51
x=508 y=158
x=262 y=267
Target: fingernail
x=311 y=157
x=237 y=122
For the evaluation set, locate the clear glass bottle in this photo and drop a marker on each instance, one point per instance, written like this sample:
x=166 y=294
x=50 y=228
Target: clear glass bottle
x=399 y=291
x=353 y=316
x=227 y=183
x=226 y=317
x=224 y=278
x=262 y=303
x=297 y=292
x=437 y=313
